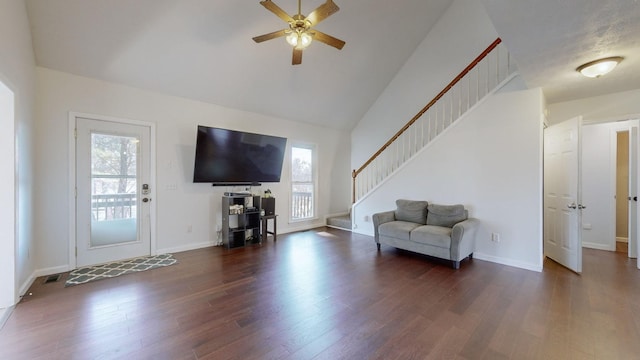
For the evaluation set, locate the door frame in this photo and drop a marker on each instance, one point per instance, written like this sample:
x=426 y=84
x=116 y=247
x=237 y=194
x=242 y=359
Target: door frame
x=623 y=126
x=632 y=205
x=613 y=145
x=9 y=295
x=73 y=116
x=626 y=124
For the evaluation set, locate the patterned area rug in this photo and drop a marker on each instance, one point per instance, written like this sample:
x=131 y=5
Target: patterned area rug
x=105 y=271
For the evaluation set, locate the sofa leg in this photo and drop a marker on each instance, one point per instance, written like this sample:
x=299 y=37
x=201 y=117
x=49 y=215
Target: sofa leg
x=456 y=265
x=471 y=256
x=378 y=244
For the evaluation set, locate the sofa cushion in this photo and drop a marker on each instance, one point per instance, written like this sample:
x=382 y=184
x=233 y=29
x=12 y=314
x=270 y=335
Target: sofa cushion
x=397 y=229
x=445 y=215
x=438 y=236
x=412 y=211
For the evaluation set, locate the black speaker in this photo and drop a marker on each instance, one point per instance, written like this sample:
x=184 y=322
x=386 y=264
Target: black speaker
x=269 y=205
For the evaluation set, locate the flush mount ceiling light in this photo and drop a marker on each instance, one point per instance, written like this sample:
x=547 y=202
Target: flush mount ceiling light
x=597 y=68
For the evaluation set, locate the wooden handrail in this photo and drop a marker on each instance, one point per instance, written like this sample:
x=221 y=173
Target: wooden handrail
x=464 y=72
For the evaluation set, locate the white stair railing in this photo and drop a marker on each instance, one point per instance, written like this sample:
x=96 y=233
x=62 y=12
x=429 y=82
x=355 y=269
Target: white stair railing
x=479 y=79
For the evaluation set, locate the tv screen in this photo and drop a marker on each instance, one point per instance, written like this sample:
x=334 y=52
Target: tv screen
x=228 y=157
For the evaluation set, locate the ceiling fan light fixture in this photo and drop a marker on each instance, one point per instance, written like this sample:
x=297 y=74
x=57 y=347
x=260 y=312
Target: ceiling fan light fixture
x=305 y=40
x=292 y=38
x=299 y=40
x=597 y=68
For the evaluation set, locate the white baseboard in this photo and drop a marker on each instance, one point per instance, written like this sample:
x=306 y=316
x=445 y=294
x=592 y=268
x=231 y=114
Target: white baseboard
x=302 y=227
x=339 y=228
x=4 y=315
x=599 y=246
x=27 y=284
x=187 y=247
x=41 y=272
x=508 y=262
x=367 y=231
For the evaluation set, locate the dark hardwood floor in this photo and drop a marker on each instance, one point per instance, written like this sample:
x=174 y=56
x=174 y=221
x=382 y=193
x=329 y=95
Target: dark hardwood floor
x=328 y=294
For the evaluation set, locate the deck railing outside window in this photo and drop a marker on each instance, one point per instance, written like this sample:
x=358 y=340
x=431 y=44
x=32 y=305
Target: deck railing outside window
x=113 y=206
x=302 y=205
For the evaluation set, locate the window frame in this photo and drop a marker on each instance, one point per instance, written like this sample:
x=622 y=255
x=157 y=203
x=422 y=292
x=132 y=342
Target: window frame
x=314 y=181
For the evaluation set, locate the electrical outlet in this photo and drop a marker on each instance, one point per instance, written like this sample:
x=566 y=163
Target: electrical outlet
x=495 y=237
x=366 y=218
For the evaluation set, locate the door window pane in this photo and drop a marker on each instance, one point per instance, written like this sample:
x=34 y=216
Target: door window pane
x=114 y=210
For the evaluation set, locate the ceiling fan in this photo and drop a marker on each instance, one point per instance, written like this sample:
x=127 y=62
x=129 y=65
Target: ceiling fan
x=300 y=32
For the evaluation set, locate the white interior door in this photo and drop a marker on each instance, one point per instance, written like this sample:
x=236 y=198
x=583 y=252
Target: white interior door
x=562 y=207
x=112 y=191
x=633 y=192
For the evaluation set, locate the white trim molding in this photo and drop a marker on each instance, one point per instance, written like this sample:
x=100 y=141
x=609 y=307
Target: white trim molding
x=73 y=116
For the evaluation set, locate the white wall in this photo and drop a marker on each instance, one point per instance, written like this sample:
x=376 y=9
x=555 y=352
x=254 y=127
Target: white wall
x=599 y=182
x=490 y=161
x=596 y=181
x=462 y=33
x=189 y=204
x=17 y=72
x=617 y=106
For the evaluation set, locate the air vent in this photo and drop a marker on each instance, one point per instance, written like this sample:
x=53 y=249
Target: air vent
x=52 y=278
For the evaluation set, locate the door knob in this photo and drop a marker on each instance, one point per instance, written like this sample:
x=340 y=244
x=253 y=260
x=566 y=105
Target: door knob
x=580 y=206
x=635 y=198
x=572 y=206
x=146 y=200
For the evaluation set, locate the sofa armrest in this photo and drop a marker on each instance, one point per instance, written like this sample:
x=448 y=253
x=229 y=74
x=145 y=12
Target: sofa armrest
x=463 y=238
x=381 y=218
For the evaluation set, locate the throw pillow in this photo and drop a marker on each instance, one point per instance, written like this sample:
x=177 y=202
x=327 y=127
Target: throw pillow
x=445 y=215
x=412 y=211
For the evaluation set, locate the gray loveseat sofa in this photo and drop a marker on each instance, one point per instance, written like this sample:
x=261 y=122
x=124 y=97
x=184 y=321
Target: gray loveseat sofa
x=442 y=231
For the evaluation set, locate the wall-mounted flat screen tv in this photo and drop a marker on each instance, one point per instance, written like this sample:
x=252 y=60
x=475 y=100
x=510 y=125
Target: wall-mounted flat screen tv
x=228 y=157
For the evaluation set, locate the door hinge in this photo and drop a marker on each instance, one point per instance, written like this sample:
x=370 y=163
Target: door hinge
x=75 y=133
x=76 y=251
x=75 y=192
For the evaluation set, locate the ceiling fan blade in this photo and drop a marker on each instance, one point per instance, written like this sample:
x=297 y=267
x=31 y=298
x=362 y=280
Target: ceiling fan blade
x=322 y=12
x=297 y=57
x=269 y=36
x=327 y=39
x=271 y=6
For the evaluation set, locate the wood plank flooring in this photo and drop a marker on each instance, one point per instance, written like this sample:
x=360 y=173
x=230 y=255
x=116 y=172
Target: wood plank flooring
x=622 y=247
x=328 y=294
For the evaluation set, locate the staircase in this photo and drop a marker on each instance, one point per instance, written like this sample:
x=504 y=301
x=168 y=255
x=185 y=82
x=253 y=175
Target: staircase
x=481 y=78
x=340 y=222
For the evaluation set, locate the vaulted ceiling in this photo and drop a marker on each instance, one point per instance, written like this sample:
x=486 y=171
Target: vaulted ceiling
x=202 y=49
x=549 y=39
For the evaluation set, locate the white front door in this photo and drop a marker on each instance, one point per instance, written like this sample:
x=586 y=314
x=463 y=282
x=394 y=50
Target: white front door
x=112 y=191
x=562 y=198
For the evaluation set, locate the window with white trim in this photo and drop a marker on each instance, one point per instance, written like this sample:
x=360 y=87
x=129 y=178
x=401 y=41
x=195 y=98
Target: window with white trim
x=303 y=183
